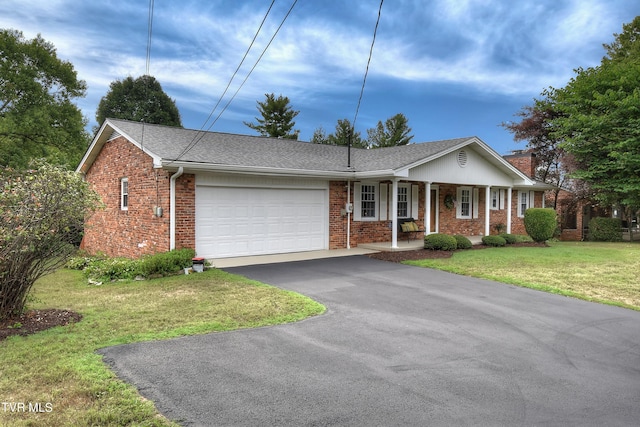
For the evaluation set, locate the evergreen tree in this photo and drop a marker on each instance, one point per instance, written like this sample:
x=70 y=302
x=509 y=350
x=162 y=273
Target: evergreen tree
x=277 y=118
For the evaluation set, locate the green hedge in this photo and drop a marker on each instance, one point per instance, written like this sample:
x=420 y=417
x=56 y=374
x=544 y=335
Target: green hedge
x=441 y=242
x=462 y=242
x=494 y=241
x=605 y=230
x=509 y=238
x=540 y=223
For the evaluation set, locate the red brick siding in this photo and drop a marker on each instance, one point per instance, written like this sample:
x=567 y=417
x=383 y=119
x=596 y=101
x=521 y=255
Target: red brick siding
x=380 y=231
x=337 y=222
x=136 y=231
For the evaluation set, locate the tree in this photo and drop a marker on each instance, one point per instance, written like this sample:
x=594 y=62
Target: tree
x=140 y=100
x=626 y=44
x=319 y=136
x=394 y=132
x=277 y=118
x=343 y=132
x=599 y=121
x=37 y=116
x=41 y=213
x=554 y=165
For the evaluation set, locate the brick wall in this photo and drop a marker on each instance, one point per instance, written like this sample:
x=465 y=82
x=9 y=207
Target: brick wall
x=136 y=231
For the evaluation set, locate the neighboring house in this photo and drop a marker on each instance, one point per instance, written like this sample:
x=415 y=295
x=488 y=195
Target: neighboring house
x=232 y=195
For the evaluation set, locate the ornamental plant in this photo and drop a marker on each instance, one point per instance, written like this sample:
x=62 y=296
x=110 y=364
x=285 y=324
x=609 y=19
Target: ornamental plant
x=540 y=223
x=42 y=212
x=605 y=230
x=440 y=242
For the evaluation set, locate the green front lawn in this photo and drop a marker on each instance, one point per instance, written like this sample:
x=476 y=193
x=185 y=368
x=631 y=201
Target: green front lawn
x=603 y=272
x=60 y=370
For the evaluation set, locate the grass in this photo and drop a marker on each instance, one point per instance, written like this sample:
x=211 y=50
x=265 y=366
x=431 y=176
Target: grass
x=601 y=272
x=59 y=368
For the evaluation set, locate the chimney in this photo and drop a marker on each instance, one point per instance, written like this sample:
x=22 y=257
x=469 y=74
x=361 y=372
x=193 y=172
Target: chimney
x=524 y=161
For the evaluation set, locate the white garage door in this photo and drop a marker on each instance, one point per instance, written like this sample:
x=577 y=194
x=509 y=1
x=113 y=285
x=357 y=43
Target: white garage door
x=232 y=221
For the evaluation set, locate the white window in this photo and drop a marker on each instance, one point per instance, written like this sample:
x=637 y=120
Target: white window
x=525 y=201
x=463 y=210
x=495 y=199
x=124 y=194
x=365 y=202
x=403 y=201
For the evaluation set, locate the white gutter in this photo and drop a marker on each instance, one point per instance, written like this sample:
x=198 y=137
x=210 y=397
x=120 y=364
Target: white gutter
x=172 y=208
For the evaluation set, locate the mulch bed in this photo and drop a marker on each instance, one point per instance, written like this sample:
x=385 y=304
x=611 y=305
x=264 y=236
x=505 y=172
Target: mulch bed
x=33 y=321
x=400 y=256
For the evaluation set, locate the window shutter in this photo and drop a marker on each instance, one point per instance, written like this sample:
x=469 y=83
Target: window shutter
x=501 y=195
x=475 y=201
x=357 y=206
x=384 y=190
x=414 y=201
x=532 y=198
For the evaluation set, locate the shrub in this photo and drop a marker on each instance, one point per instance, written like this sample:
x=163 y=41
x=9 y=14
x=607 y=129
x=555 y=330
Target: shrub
x=438 y=241
x=494 y=241
x=605 y=230
x=167 y=262
x=462 y=242
x=509 y=238
x=42 y=210
x=540 y=223
x=522 y=238
x=112 y=269
x=106 y=269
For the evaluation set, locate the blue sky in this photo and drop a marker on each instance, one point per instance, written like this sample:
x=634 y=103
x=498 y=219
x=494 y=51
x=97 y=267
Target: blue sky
x=455 y=68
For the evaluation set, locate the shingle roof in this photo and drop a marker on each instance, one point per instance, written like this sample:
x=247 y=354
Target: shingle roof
x=215 y=148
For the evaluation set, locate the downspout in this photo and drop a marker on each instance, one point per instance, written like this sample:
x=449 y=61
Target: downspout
x=349 y=215
x=172 y=208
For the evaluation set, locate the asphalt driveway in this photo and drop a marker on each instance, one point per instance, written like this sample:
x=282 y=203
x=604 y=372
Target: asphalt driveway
x=400 y=346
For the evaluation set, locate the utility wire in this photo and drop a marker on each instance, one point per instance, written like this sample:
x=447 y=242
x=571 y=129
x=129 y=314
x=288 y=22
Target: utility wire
x=238 y=68
x=200 y=135
x=368 y=62
x=364 y=81
x=150 y=25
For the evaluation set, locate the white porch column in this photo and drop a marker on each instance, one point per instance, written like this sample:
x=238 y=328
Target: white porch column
x=427 y=208
x=394 y=214
x=509 y=191
x=487 y=210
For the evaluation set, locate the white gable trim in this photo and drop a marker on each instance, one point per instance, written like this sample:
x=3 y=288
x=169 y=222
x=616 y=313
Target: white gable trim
x=104 y=135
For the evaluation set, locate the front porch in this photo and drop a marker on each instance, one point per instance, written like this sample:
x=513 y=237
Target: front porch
x=403 y=245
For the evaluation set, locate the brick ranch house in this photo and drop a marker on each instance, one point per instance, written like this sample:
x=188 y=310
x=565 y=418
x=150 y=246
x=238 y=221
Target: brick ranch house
x=232 y=195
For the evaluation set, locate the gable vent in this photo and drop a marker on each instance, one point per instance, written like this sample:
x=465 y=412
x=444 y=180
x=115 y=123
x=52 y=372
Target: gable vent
x=114 y=135
x=462 y=158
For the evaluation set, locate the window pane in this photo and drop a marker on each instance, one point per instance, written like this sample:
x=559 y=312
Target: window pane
x=403 y=202
x=523 y=202
x=465 y=202
x=368 y=201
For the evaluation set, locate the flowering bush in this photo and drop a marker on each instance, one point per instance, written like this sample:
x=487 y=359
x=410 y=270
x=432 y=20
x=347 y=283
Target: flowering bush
x=42 y=211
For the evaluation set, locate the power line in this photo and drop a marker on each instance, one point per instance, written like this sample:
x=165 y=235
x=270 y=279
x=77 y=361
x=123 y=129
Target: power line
x=238 y=68
x=364 y=81
x=368 y=62
x=150 y=25
x=201 y=134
